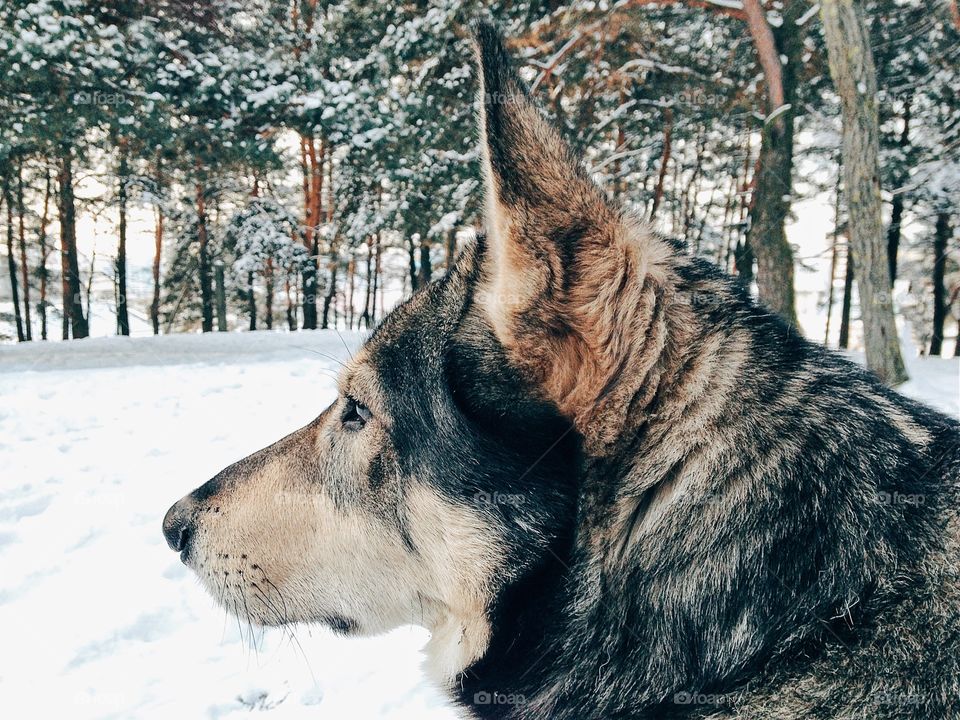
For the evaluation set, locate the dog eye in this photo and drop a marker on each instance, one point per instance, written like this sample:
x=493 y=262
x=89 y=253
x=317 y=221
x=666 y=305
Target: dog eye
x=355 y=414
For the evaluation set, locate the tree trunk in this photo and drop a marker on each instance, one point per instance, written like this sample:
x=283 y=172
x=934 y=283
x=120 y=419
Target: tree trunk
x=157 y=249
x=377 y=280
x=844 y=341
x=251 y=301
x=206 y=291
x=312 y=166
x=331 y=289
x=451 y=248
x=854 y=77
x=774 y=186
x=426 y=267
x=664 y=161
x=221 y=297
x=834 y=252
x=24 y=265
x=268 y=300
x=11 y=260
x=123 y=320
x=44 y=251
x=368 y=288
x=291 y=313
x=351 y=286
x=940 y=239
x=896 y=213
x=72 y=291
x=412 y=260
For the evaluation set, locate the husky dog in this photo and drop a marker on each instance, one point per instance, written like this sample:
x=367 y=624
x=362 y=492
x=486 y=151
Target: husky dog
x=608 y=482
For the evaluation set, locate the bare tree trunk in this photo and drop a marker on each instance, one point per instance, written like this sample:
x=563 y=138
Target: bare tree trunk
x=123 y=320
x=844 y=341
x=44 y=251
x=24 y=265
x=312 y=164
x=72 y=291
x=158 y=247
x=854 y=77
x=351 y=282
x=368 y=294
x=834 y=251
x=328 y=297
x=774 y=187
x=451 y=254
x=268 y=300
x=251 y=301
x=291 y=312
x=206 y=293
x=664 y=161
x=11 y=259
x=377 y=283
x=896 y=213
x=221 y=293
x=940 y=238
x=412 y=262
x=425 y=273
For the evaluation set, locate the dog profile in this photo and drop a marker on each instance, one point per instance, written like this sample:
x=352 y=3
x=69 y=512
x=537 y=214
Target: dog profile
x=610 y=483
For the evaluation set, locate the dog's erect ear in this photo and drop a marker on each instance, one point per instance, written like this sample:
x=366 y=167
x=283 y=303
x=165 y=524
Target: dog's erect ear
x=561 y=263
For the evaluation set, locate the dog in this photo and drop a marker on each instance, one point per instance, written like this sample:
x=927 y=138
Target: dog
x=610 y=483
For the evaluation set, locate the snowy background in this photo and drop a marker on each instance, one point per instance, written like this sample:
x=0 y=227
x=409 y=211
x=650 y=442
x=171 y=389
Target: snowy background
x=100 y=619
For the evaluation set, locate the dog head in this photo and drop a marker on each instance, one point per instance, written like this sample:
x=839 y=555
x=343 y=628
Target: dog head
x=448 y=467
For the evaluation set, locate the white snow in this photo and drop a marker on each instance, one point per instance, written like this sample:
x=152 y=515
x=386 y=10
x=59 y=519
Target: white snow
x=99 y=618
x=97 y=438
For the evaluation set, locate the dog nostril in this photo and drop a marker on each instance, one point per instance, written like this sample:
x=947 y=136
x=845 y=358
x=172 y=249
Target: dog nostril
x=178 y=527
x=183 y=539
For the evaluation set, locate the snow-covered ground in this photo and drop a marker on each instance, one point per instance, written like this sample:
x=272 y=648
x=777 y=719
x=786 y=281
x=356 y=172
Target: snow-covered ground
x=98 y=617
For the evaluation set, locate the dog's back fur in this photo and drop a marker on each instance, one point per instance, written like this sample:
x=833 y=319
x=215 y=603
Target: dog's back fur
x=706 y=515
x=764 y=530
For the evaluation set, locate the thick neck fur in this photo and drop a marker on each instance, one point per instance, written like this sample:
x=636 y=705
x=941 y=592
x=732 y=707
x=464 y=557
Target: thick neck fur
x=728 y=520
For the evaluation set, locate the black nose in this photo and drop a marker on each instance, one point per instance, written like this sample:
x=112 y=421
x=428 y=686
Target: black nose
x=178 y=525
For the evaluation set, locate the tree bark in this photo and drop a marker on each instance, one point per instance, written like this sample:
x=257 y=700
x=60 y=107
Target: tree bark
x=72 y=291
x=11 y=259
x=940 y=238
x=451 y=254
x=331 y=288
x=268 y=300
x=368 y=288
x=844 y=341
x=44 y=252
x=834 y=252
x=123 y=320
x=412 y=263
x=206 y=291
x=664 y=161
x=774 y=185
x=157 y=250
x=221 y=297
x=896 y=213
x=251 y=301
x=312 y=166
x=24 y=265
x=854 y=77
x=425 y=274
